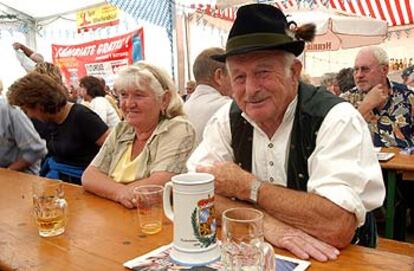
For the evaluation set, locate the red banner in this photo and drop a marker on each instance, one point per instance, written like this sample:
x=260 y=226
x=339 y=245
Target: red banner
x=101 y=58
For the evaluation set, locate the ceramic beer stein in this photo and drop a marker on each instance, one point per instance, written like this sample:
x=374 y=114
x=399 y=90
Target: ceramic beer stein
x=195 y=241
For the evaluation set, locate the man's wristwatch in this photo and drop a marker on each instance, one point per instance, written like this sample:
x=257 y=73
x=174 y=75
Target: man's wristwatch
x=254 y=190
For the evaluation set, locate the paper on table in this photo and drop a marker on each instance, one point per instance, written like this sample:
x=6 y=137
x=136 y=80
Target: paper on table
x=385 y=156
x=159 y=259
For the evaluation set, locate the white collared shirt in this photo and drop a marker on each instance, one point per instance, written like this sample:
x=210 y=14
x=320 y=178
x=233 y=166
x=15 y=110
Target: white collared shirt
x=202 y=104
x=342 y=168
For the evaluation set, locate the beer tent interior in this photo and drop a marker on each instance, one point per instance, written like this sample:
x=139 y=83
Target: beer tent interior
x=41 y=23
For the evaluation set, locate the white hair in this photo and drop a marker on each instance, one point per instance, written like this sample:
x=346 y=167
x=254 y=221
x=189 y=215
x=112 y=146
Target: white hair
x=380 y=54
x=158 y=80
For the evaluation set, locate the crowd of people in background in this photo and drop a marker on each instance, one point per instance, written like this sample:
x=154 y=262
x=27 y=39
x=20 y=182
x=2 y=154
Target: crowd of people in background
x=250 y=117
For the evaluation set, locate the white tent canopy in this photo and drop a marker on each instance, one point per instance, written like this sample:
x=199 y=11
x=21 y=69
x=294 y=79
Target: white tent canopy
x=46 y=8
x=41 y=23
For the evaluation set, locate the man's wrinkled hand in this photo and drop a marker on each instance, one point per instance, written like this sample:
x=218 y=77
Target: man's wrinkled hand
x=230 y=179
x=377 y=96
x=303 y=245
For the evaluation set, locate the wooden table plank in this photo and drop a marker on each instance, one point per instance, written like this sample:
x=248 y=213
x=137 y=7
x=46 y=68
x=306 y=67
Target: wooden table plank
x=102 y=235
x=399 y=161
x=402 y=248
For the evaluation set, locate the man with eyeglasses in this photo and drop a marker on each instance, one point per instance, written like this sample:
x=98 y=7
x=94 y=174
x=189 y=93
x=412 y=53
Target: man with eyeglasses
x=386 y=106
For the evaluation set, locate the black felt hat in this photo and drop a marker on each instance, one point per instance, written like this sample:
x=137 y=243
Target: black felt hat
x=260 y=27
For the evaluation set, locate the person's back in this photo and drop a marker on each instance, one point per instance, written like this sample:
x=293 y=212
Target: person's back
x=19 y=141
x=104 y=109
x=211 y=93
x=201 y=106
x=94 y=93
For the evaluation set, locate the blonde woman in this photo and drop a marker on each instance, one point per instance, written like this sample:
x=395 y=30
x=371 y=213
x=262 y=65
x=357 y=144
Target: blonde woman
x=150 y=146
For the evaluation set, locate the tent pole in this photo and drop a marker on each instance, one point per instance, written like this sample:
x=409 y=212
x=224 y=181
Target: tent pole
x=187 y=45
x=180 y=49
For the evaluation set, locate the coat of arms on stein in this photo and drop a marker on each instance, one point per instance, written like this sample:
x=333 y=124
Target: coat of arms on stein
x=203 y=222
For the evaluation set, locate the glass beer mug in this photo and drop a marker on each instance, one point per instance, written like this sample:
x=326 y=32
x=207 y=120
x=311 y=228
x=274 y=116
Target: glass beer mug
x=49 y=207
x=243 y=246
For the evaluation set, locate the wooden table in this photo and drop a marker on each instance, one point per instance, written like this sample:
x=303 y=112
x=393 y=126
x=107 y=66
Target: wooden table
x=102 y=235
x=399 y=163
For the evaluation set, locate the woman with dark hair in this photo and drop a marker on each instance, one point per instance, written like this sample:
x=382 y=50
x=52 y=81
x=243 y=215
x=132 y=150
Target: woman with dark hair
x=94 y=92
x=76 y=133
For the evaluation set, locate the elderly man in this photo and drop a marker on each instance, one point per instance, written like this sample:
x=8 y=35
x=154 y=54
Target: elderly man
x=386 y=106
x=212 y=91
x=298 y=153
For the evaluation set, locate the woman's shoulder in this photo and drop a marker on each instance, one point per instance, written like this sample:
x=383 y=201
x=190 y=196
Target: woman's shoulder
x=176 y=127
x=179 y=122
x=123 y=129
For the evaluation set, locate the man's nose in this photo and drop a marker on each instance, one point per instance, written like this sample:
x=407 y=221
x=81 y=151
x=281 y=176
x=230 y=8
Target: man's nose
x=251 y=85
x=358 y=73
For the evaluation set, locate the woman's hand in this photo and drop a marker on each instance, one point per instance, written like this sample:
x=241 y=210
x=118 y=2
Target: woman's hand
x=125 y=196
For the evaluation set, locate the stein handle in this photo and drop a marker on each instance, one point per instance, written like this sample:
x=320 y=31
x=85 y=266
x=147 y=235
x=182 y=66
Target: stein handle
x=269 y=256
x=167 y=201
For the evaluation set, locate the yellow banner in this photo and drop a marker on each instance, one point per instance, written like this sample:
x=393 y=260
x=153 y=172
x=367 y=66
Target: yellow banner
x=105 y=15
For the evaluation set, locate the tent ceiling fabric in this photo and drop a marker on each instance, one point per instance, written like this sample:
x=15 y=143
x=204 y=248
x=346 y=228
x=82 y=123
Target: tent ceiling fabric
x=395 y=12
x=333 y=30
x=47 y=8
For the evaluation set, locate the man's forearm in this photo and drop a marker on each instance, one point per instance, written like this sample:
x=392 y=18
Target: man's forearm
x=311 y=213
x=282 y=235
x=26 y=50
x=307 y=212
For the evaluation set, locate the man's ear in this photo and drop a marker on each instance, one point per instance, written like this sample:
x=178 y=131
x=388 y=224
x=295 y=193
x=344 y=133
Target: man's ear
x=218 y=75
x=296 y=69
x=384 y=69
